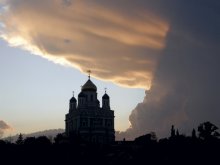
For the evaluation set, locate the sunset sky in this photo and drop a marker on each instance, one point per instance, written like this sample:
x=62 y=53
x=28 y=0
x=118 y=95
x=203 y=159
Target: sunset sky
x=159 y=61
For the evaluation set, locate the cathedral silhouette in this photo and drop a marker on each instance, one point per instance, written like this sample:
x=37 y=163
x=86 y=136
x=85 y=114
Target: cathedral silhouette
x=87 y=119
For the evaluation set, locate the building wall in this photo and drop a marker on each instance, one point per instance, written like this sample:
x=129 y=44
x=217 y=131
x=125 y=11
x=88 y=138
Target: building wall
x=91 y=125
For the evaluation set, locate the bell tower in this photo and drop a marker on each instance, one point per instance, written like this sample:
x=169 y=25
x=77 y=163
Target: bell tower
x=105 y=101
x=72 y=104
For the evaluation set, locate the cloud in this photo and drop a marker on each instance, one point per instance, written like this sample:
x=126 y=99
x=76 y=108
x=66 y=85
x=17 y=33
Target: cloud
x=115 y=45
x=185 y=90
x=3 y=127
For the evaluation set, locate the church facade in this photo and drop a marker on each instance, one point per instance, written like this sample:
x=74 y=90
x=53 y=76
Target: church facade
x=87 y=119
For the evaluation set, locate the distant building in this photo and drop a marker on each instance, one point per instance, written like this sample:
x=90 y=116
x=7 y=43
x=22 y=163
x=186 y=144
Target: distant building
x=87 y=119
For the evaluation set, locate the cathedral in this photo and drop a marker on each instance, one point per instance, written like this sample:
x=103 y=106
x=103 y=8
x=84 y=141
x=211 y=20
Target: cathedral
x=87 y=119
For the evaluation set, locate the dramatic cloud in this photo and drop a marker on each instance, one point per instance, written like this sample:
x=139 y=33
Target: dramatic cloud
x=185 y=89
x=122 y=46
x=3 y=127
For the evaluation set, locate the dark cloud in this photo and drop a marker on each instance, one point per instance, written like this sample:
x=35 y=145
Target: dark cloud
x=185 y=89
x=67 y=2
x=3 y=127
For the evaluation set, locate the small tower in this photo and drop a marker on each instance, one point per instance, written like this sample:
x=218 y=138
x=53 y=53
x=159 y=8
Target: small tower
x=81 y=99
x=105 y=101
x=72 y=105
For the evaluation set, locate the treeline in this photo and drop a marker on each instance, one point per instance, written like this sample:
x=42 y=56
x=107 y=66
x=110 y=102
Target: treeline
x=202 y=147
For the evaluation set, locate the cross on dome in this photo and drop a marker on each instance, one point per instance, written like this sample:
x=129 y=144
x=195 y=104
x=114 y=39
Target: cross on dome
x=89 y=73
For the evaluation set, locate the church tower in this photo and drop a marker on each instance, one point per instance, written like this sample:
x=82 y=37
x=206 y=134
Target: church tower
x=105 y=101
x=87 y=119
x=72 y=104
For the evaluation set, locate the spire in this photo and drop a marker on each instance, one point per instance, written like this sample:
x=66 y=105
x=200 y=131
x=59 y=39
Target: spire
x=89 y=73
x=89 y=85
x=105 y=96
x=73 y=99
x=105 y=100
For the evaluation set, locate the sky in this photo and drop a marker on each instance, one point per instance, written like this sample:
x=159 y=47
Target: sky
x=159 y=61
x=35 y=92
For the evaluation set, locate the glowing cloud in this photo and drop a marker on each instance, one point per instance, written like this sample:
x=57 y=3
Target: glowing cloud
x=3 y=127
x=118 y=46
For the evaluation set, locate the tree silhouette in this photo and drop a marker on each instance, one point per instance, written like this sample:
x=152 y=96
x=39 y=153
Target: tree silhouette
x=20 y=139
x=177 y=133
x=172 y=133
x=145 y=139
x=194 y=133
x=43 y=140
x=30 y=141
x=2 y=142
x=153 y=136
x=60 y=138
x=207 y=130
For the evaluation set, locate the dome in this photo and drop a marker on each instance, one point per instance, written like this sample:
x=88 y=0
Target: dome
x=73 y=100
x=89 y=86
x=81 y=94
x=105 y=96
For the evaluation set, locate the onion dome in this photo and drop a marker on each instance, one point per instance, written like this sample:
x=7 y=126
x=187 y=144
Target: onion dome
x=89 y=86
x=81 y=94
x=105 y=96
x=73 y=100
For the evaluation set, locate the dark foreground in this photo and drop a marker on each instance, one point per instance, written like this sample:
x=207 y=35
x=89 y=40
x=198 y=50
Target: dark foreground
x=177 y=149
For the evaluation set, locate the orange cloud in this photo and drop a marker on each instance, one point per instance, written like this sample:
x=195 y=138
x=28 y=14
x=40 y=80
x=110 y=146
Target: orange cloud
x=4 y=127
x=118 y=47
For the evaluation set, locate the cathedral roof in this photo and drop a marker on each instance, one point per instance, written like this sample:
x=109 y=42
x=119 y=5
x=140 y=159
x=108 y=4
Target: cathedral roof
x=89 y=86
